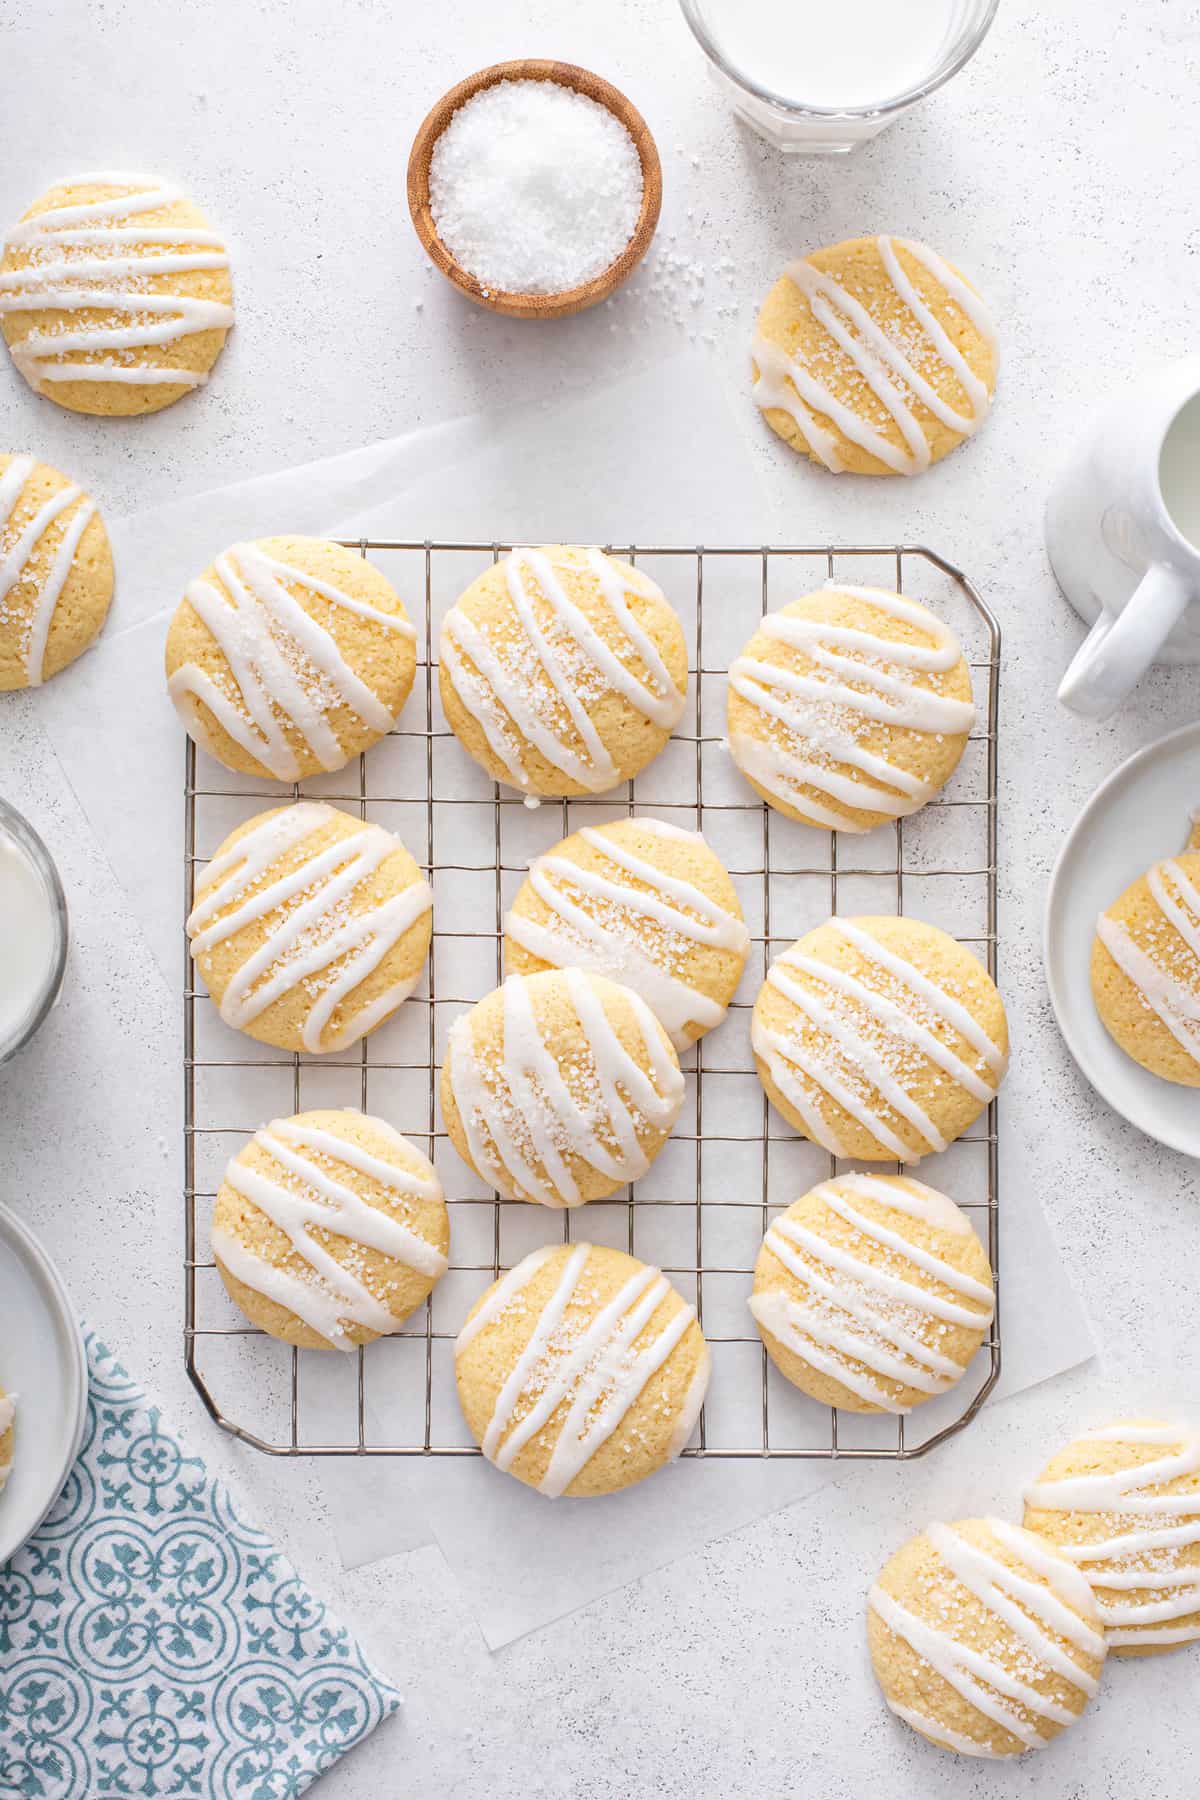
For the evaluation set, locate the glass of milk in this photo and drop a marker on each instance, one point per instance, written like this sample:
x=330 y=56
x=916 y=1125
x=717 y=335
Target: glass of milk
x=33 y=931
x=821 y=76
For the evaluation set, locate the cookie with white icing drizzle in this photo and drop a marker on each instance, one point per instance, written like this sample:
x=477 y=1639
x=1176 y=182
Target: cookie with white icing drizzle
x=562 y=671
x=310 y=927
x=872 y=1293
x=874 y=356
x=329 y=1229
x=984 y=1638
x=581 y=1371
x=643 y=902
x=1146 y=968
x=559 y=1087
x=849 y=707
x=879 y=1037
x=56 y=571
x=8 y=1433
x=115 y=294
x=289 y=656
x=1123 y=1504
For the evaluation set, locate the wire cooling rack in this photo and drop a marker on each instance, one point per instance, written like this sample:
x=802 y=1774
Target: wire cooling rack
x=732 y=1164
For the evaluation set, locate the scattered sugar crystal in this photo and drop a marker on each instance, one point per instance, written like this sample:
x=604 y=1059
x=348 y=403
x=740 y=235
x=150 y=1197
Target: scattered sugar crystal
x=534 y=188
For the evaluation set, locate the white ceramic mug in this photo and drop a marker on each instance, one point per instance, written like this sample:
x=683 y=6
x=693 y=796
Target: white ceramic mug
x=1123 y=536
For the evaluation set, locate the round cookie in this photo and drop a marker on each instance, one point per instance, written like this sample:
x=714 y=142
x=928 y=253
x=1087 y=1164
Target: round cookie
x=984 y=1639
x=1123 y=1504
x=560 y=1087
x=289 y=656
x=646 y=904
x=562 y=671
x=881 y=1038
x=874 y=356
x=56 y=571
x=329 y=1229
x=581 y=1371
x=309 y=927
x=872 y=1293
x=849 y=708
x=1146 y=969
x=8 y=1413
x=115 y=294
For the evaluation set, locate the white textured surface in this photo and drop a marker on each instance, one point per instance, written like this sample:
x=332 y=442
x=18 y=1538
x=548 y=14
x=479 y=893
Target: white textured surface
x=1053 y=170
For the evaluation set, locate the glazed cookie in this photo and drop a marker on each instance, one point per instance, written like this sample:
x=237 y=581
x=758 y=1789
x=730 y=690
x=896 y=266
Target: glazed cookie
x=984 y=1639
x=1146 y=969
x=581 y=1371
x=56 y=572
x=560 y=1087
x=8 y=1414
x=329 y=1229
x=872 y=1293
x=562 y=671
x=115 y=296
x=289 y=656
x=879 y=1038
x=849 y=707
x=874 y=356
x=310 y=927
x=1123 y=1504
x=644 y=903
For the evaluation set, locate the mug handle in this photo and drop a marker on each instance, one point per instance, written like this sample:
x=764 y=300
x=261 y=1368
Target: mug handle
x=1116 y=652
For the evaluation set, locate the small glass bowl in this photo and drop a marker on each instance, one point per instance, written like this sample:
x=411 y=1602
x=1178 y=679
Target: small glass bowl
x=799 y=129
x=20 y=833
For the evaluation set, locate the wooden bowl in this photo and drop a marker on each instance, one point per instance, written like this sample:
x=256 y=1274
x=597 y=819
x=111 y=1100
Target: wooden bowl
x=571 y=300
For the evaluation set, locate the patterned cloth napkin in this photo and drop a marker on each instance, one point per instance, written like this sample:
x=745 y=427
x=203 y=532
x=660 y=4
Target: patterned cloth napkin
x=153 y=1643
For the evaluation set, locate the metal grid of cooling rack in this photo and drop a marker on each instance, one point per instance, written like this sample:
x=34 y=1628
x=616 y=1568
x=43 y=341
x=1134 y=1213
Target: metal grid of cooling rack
x=758 y=1414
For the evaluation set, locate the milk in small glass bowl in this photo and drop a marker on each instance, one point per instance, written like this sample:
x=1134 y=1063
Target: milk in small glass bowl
x=819 y=77
x=33 y=931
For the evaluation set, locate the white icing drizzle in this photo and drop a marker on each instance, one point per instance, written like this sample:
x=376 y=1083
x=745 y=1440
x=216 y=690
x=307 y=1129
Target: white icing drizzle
x=1174 y=1000
x=287 y=668
x=317 y=925
x=595 y=1371
x=816 y=711
x=1146 y=1559
x=329 y=1295
x=14 y=561
x=1036 y=1616
x=526 y=1116
x=605 y=940
x=891 y=374
x=860 y=1319
x=87 y=256
x=787 y=1060
x=8 y=1413
x=510 y=704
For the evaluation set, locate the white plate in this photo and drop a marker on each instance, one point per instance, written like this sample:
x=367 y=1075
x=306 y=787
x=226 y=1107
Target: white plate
x=1136 y=817
x=42 y=1362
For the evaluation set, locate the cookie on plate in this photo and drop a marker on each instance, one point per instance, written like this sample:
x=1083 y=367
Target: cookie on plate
x=562 y=671
x=1146 y=969
x=309 y=927
x=329 y=1229
x=560 y=1087
x=581 y=1371
x=8 y=1414
x=984 y=1638
x=872 y=1293
x=849 y=707
x=56 y=571
x=115 y=294
x=1123 y=1504
x=289 y=656
x=643 y=902
x=874 y=356
x=879 y=1037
